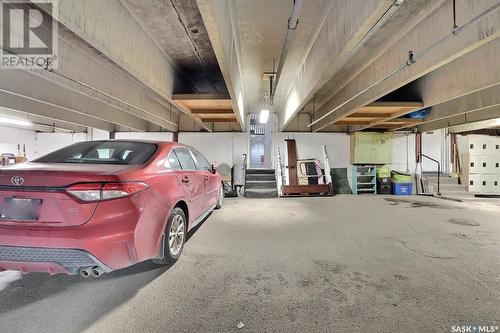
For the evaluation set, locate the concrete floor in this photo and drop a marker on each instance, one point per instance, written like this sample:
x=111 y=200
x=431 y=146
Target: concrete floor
x=343 y=264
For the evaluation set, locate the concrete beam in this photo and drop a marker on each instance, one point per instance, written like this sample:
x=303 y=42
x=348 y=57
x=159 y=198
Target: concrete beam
x=43 y=124
x=433 y=44
x=335 y=41
x=26 y=88
x=476 y=101
x=88 y=71
x=137 y=55
x=50 y=111
x=92 y=79
x=491 y=112
x=221 y=23
x=475 y=126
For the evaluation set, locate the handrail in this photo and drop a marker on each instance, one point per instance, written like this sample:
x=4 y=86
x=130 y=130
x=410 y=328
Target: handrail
x=245 y=163
x=245 y=160
x=439 y=169
x=458 y=165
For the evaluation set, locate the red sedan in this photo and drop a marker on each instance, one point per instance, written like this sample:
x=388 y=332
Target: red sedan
x=98 y=206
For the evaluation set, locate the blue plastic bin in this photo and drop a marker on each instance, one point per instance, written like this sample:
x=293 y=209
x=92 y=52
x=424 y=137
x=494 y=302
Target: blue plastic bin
x=420 y=114
x=402 y=188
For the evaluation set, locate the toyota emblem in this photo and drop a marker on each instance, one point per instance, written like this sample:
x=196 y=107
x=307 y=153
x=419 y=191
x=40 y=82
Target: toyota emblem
x=16 y=180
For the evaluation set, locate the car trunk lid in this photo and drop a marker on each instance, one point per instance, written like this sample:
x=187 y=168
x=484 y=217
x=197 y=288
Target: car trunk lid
x=34 y=193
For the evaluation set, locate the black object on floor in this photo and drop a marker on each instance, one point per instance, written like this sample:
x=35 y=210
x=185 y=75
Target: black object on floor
x=494 y=196
x=384 y=186
x=340 y=181
x=228 y=190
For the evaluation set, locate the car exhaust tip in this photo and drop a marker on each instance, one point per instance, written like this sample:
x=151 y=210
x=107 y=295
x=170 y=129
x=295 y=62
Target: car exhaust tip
x=97 y=271
x=85 y=272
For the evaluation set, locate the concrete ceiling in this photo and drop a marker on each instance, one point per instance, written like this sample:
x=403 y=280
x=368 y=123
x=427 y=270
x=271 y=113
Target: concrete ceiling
x=346 y=55
x=177 y=28
x=262 y=27
x=122 y=71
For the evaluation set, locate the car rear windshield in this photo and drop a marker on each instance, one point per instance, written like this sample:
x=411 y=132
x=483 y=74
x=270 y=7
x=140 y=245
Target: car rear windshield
x=102 y=152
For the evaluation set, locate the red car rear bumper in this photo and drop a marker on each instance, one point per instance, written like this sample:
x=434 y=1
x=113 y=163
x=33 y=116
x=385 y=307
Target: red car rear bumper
x=108 y=240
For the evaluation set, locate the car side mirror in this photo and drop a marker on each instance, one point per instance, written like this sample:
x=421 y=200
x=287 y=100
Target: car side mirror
x=213 y=169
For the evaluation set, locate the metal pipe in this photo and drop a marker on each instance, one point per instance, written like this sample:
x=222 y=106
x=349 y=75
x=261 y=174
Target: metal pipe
x=412 y=58
x=97 y=271
x=85 y=272
x=293 y=21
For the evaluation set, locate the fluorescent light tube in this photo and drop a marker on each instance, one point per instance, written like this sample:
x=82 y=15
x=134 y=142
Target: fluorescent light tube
x=264 y=116
x=17 y=122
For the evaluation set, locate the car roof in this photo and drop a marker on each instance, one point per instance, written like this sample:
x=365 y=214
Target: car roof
x=157 y=142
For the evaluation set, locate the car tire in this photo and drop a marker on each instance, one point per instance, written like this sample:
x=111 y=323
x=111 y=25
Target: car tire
x=220 y=197
x=174 y=238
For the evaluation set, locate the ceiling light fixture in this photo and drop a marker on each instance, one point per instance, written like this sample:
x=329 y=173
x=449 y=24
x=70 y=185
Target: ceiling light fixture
x=264 y=116
x=16 y=122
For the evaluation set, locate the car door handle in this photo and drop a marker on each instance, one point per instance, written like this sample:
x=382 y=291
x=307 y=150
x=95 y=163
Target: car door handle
x=185 y=180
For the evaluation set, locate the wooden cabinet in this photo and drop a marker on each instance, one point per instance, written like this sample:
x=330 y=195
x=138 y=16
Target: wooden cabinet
x=371 y=148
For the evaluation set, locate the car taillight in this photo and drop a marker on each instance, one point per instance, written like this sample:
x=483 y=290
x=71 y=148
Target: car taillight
x=89 y=192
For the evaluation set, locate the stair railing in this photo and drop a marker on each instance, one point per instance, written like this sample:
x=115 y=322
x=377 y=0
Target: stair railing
x=439 y=170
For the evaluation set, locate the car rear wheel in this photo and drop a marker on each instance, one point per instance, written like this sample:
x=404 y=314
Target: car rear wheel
x=174 y=238
x=220 y=198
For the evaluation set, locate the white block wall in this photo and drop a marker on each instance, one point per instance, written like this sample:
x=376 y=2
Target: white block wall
x=230 y=147
x=403 y=153
x=436 y=145
x=45 y=143
x=39 y=144
x=309 y=145
x=218 y=147
x=11 y=137
x=157 y=136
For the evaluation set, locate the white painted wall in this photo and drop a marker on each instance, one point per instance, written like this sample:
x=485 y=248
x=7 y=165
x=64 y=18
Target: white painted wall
x=218 y=147
x=157 y=136
x=45 y=143
x=309 y=145
x=97 y=134
x=10 y=137
x=403 y=153
x=436 y=145
x=230 y=147
x=39 y=144
x=48 y=142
